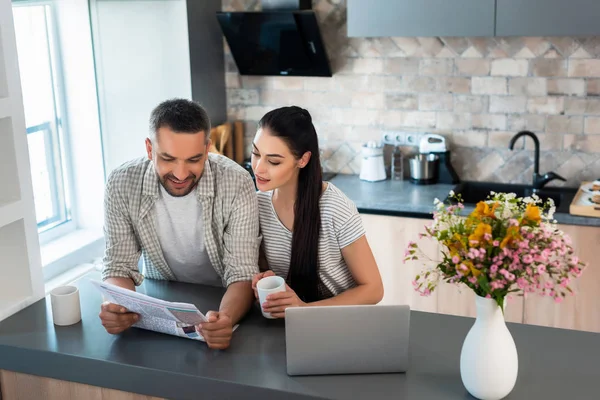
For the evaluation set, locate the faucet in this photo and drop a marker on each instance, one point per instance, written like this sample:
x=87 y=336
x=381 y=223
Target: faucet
x=538 y=180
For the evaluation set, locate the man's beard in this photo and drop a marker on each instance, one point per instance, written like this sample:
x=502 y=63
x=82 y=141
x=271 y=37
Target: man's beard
x=164 y=181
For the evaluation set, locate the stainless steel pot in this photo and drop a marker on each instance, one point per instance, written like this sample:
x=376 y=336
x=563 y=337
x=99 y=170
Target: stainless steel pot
x=424 y=168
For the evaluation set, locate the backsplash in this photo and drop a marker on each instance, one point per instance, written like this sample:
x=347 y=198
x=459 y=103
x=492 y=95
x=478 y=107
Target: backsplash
x=477 y=92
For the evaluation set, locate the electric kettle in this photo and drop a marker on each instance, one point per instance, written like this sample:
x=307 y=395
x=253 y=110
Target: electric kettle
x=372 y=167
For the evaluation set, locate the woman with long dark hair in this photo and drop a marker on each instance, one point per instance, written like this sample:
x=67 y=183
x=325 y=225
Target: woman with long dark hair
x=312 y=233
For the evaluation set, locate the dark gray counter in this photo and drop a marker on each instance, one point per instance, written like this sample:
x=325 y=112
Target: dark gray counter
x=405 y=199
x=554 y=363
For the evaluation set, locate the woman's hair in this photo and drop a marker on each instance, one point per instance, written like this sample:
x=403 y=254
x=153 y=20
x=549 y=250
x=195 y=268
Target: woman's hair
x=294 y=126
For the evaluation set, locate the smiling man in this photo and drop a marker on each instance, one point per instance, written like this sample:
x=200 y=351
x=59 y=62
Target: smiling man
x=192 y=216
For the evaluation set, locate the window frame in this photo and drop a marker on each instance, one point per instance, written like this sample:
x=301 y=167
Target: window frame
x=63 y=189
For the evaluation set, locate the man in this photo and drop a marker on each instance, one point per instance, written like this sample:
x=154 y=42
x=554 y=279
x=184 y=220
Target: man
x=193 y=216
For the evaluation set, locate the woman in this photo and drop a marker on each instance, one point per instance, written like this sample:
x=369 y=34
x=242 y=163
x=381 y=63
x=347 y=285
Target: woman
x=312 y=233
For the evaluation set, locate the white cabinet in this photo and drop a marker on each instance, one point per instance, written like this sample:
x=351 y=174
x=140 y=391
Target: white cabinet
x=21 y=281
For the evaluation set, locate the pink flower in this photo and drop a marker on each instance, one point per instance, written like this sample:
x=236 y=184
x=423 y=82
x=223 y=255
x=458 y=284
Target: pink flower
x=527 y=259
x=455 y=259
x=496 y=243
x=513 y=222
x=564 y=282
x=574 y=260
x=510 y=277
x=473 y=280
x=461 y=206
x=494 y=268
x=541 y=269
x=558 y=299
x=549 y=285
x=522 y=283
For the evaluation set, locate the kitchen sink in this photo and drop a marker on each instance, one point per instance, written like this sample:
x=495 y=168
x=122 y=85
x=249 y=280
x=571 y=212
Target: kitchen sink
x=474 y=192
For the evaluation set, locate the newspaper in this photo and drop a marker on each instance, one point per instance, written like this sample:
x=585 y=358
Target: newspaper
x=179 y=319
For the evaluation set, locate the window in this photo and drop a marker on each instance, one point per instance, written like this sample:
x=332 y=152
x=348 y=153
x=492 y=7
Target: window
x=43 y=100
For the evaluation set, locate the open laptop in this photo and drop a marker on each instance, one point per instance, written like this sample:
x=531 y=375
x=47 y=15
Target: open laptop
x=347 y=339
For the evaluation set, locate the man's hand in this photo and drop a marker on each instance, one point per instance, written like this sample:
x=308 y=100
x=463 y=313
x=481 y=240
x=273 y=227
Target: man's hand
x=115 y=318
x=217 y=331
x=258 y=277
x=276 y=303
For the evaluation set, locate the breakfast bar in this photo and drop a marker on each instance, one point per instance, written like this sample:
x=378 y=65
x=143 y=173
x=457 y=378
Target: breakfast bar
x=553 y=363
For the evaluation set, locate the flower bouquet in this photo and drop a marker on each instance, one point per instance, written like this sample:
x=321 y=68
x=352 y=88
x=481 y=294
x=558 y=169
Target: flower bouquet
x=506 y=245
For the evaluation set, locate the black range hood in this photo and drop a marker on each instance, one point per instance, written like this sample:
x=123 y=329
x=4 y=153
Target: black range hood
x=283 y=39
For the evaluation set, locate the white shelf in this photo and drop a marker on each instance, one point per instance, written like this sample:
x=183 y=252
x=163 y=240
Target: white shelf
x=15 y=274
x=5 y=107
x=3 y=77
x=10 y=213
x=21 y=277
x=9 y=177
x=11 y=306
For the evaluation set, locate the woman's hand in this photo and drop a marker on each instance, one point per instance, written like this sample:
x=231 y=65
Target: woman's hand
x=258 y=277
x=276 y=303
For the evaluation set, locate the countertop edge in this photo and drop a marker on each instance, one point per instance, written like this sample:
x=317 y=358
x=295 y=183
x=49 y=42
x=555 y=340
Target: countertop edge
x=118 y=376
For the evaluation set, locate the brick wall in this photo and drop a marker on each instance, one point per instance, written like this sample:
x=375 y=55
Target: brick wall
x=477 y=92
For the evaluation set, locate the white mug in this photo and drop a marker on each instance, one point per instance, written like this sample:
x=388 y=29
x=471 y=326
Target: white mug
x=266 y=286
x=65 y=305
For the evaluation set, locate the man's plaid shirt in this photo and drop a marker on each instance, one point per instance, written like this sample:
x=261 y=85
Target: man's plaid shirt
x=229 y=208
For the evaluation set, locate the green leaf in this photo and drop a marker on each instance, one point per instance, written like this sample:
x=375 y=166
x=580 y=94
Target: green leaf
x=484 y=283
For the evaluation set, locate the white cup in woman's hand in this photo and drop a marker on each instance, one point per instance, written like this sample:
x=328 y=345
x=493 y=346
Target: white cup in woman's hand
x=266 y=286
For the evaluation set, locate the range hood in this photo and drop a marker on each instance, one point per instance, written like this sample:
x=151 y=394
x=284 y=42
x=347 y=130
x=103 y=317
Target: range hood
x=282 y=39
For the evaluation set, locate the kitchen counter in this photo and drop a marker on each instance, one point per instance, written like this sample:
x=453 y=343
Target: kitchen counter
x=554 y=363
x=405 y=199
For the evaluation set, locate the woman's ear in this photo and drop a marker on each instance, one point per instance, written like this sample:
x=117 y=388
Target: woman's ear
x=304 y=159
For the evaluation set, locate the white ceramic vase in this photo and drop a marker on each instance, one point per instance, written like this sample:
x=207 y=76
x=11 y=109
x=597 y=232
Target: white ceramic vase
x=488 y=360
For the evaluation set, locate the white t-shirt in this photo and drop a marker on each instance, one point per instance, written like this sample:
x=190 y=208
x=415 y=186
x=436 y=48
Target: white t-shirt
x=180 y=229
x=341 y=225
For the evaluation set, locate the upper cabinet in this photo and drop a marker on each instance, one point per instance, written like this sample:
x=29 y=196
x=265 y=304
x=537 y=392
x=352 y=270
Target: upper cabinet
x=380 y=18
x=374 y=18
x=547 y=17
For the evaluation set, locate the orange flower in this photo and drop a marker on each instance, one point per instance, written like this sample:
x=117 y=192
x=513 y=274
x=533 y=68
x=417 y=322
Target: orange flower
x=532 y=213
x=454 y=244
x=480 y=232
x=483 y=209
x=512 y=234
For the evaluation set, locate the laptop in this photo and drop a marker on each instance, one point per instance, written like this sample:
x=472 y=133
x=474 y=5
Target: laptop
x=358 y=339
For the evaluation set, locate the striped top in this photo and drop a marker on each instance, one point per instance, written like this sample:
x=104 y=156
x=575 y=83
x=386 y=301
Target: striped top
x=341 y=225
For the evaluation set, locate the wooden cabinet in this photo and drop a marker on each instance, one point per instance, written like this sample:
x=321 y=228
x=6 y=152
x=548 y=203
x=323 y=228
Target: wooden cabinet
x=17 y=386
x=389 y=237
x=582 y=311
x=547 y=17
x=420 y=18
